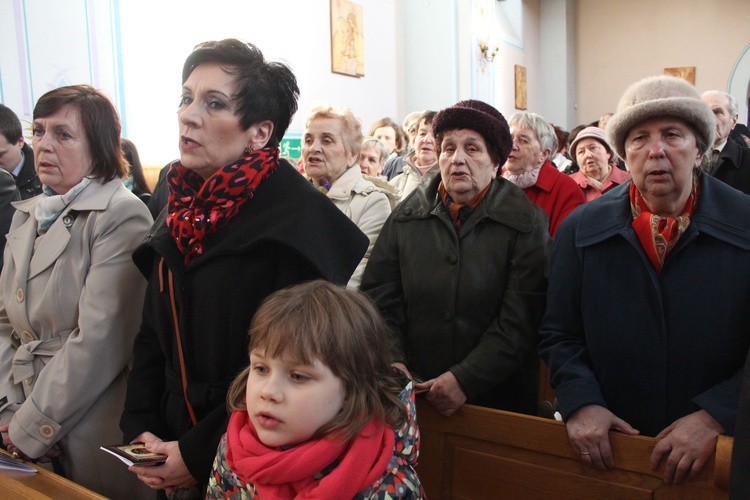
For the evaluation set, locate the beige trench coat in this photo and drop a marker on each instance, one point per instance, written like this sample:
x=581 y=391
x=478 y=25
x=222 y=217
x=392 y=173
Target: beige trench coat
x=70 y=307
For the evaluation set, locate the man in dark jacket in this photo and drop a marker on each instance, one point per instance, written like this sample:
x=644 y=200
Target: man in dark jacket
x=16 y=157
x=729 y=161
x=458 y=271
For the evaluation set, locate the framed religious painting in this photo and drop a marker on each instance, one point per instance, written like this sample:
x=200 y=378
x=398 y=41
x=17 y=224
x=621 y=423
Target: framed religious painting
x=685 y=72
x=520 y=83
x=347 y=38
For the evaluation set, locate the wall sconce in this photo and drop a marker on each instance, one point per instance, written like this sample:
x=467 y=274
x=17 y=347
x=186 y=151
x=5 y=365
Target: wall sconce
x=486 y=51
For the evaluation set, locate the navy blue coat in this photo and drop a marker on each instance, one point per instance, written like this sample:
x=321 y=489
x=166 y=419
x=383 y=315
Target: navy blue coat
x=651 y=347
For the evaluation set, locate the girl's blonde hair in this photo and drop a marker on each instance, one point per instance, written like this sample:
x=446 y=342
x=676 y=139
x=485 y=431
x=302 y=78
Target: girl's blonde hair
x=342 y=329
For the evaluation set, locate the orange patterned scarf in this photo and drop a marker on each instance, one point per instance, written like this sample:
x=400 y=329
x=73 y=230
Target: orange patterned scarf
x=658 y=235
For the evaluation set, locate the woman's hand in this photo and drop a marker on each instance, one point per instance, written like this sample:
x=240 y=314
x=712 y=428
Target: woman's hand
x=444 y=393
x=54 y=452
x=686 y=445
x=173 y=474
x=588 y=432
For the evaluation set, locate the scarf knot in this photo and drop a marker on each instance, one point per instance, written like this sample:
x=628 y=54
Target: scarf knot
x=199 y=207
x=657 y=234
x=460 y=212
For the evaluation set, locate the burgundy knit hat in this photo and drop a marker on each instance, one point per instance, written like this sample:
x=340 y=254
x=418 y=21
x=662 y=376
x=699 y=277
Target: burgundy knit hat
x=480 y=117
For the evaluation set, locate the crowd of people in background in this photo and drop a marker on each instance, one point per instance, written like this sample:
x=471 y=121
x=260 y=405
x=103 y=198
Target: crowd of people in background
x=266 y=323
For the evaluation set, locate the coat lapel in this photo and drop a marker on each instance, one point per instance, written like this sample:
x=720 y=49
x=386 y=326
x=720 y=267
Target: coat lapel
x=95 y=197
x=20 y=245
x=54 y=243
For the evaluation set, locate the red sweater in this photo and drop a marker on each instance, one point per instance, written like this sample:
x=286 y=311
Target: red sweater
x=556 y=193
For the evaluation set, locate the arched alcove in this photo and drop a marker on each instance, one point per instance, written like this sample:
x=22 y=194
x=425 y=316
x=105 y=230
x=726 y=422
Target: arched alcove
x=739 y=84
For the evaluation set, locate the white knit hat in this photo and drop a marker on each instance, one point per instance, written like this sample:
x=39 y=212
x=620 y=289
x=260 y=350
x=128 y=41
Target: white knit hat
x=660 y=96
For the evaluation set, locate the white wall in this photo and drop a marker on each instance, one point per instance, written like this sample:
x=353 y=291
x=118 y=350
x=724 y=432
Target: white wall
x=620 y=42
x=82 y=38
x=430 y=54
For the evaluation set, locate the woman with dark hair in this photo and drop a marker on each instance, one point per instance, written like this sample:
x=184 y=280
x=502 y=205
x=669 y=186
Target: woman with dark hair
x=389 y=133
x=136 y=181
x=240 y=223
x=70 y=296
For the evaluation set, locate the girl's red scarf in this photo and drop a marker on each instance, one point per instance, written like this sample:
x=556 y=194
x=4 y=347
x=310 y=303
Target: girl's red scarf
x=658 y=235
x=199 y=207
x=291 y=473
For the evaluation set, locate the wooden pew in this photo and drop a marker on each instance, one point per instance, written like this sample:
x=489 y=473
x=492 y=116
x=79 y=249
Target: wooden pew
x=484 y=453
x=44 y=484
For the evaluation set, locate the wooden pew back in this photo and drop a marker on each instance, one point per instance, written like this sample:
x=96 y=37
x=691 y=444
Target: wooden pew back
x=485 y=453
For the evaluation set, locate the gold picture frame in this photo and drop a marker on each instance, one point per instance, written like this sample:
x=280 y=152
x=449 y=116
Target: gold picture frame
x=687 y=73
x=347 y=39
x=520 y=82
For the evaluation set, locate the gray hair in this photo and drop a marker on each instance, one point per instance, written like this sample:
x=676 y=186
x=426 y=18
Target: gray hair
x=373 y=143
x=545 y=134
x=733 y=107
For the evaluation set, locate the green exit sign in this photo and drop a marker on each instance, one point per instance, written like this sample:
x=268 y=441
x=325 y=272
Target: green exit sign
x=291 y=145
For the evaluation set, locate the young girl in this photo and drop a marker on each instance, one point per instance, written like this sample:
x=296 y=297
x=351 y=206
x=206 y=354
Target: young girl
x=320 y=412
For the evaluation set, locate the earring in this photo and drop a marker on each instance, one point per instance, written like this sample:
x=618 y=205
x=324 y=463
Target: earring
x=247 y=150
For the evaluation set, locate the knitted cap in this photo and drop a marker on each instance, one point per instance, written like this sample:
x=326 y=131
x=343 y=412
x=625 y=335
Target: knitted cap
x=590 y=133
x=480 y=117
x=659 y=96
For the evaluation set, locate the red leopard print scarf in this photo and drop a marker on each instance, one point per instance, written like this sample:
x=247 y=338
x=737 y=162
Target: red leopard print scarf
x=199 y=207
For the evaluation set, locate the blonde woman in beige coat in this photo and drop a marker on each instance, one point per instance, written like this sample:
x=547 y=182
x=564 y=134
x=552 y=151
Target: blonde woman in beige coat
x=70 y=296
x=330 y=148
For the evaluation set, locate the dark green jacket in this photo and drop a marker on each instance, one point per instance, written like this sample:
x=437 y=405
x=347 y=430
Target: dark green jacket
x=469 y=302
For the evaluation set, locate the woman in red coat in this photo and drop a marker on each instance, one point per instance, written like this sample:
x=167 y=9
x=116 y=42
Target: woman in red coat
x=530 y=168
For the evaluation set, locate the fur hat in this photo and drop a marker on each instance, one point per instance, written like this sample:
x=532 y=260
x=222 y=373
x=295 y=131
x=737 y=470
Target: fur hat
x=591 y=133
x=481 y=117
x=658 y=96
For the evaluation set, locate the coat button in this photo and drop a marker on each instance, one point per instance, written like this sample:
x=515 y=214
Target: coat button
x=408 y=211
x=19 y=295
x=26 y=337
x=67 y=221
x=452 y=259
x=447 y=316
x=46 y=431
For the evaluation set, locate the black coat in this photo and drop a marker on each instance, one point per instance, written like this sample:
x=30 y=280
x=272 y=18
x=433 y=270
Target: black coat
x=469 y=302
x=8 y=193
x=286 y=234
x=28 y=182
x=734 y=167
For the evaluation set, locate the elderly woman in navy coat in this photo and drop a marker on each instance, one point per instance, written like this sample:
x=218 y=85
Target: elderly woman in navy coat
x=645 y=329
